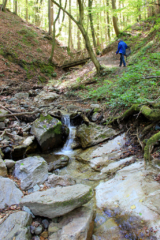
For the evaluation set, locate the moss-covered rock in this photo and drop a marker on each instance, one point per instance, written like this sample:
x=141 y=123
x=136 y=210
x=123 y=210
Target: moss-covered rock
x=93 y=134
x=48 y=132
x=2 y=112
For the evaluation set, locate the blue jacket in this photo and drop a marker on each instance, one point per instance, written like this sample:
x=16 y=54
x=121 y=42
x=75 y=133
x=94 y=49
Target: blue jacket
x=122 y=46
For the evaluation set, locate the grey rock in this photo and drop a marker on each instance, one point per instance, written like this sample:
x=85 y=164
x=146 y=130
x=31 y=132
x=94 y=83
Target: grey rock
x=21 y=95
x=10 y=194
x=95 y=106
x=12 y=100
x=17 y=224
x=2 y=111
x=32 y=229
x=38 y=229
x=57 y=201
x=93 y=134
x=2 y=125
x=95 y=117
x=3 y=168
x=45 y=223
x=36 y=238
x=60 y=163
x=75 y=225
x=46 y=97
x=31 y=171
x=78 y=224
x=9 y=163
x=48 y=132
x=55 y=180
x=26 y=209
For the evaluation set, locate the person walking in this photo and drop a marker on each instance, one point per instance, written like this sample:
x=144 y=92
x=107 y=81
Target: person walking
x=122 y=46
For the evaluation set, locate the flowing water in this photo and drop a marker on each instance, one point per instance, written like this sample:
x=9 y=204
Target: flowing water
x=109 y=224
x=67 y=149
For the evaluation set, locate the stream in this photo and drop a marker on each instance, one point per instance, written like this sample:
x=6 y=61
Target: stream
x=110 y=220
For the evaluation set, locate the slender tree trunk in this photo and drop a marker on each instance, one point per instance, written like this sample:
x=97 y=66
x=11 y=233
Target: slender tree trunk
x=158 y=6
x=15 y=7
x=78 y=36
x=84 y=33
x=115 y=25
x=108 y=23
x=54 y=34
x=89 y=48
x=91 y=24
x=60 y=28
x=49 y=17
x=26 y=10
x=4 y=5
x=70 y=42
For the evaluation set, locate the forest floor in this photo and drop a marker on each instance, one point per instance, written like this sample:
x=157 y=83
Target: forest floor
x=25 y=50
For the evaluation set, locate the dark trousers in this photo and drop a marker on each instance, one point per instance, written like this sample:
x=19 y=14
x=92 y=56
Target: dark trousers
x=122 y=60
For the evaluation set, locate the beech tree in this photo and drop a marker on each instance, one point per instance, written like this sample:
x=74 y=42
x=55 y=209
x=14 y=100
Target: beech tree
x=54 y=34
x=4 y=5
x=116 y=29
x=80 y=25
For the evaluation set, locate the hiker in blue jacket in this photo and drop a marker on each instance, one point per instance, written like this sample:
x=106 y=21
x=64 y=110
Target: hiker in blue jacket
x=122 y=46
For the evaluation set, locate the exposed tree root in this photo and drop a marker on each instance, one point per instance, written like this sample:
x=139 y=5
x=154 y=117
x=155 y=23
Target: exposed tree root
x=148 y=148
x=149 y=113
x=153 y=115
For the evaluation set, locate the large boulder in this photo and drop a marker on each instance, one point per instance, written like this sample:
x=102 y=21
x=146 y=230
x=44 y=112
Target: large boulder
x=134 y=191
x=75 y=225
x=10 y=194
x=31 y=171
x=58 y=201
x=93 y=134
x=48 y=132
x=16 y=226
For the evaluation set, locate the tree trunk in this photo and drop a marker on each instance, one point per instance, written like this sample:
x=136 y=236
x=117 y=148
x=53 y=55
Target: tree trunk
x=89 y=48
x=26 y=10
x=115 y=25
x=49 y=17
x=4 y=5
x=108 y=23
x=91 y=23
x=60 y=28
x=15 y=7
x=84 y=33
x=70 y=42
x=54 y=35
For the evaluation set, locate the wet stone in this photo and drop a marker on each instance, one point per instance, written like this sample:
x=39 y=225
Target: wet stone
x=45 y=223
x=38 y=230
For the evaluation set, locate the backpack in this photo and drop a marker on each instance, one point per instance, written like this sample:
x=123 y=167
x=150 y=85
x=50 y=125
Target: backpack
x=128 y=52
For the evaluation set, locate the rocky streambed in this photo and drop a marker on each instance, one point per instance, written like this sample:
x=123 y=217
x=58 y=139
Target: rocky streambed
x=86 y=189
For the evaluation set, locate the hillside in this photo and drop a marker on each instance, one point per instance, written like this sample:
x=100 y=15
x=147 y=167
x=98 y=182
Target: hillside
x=24 y=53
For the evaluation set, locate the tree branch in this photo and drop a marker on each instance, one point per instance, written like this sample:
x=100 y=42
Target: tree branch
x=20 y=114
x=58 y=5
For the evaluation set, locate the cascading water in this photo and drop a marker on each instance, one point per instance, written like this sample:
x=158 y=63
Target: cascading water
x=67 y=150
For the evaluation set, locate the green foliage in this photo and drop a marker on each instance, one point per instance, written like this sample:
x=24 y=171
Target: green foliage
x=39 y=50
x=28 y=33
x=132 y=86
x=41 y=79
x=47 y=69
x=29 y=37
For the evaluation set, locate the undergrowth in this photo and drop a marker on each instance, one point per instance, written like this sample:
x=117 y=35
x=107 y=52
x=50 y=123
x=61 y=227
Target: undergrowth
x=139 y=81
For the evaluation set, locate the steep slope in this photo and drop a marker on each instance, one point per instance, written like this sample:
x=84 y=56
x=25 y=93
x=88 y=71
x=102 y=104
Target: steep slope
x=24 y=53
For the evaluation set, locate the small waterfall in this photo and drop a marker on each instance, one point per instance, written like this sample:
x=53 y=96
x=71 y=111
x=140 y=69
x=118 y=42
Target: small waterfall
x=67 y=146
